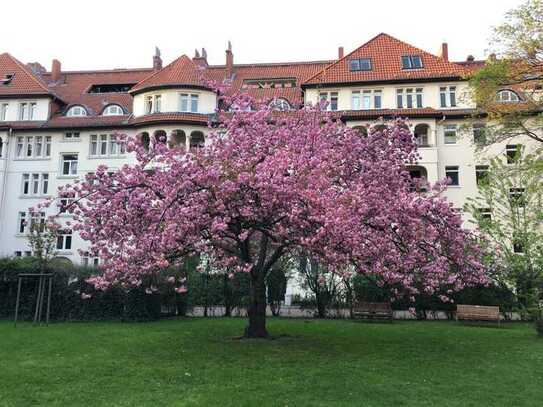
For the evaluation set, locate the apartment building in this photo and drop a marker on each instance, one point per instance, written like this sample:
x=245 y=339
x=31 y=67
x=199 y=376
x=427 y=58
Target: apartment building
x=56 y=126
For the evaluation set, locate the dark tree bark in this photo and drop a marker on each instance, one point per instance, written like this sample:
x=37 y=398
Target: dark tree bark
x=257 y=306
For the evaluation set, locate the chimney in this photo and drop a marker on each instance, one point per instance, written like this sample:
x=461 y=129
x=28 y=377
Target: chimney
x=445 y=51
x=36 y=67
x=229 y=61
x=55 y=70
x=340 y=52
x=157 y=60
x=200 y=59
x=470 y=58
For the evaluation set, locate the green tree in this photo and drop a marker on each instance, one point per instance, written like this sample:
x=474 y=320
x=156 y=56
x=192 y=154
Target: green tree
x=509 y=212
x=515 y=66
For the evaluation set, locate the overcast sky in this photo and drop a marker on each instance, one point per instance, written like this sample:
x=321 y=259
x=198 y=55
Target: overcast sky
x=123 y=34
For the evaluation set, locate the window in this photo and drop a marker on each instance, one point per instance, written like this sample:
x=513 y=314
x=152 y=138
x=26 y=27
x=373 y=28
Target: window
x=113 y=110
x=197 y=141
x=447 y=96
x=452 y=173
x=89 y=261
x=153 y=104
x=485 y=214
x=35 y=184
x=512 y=151
x=479 y=134
x=111 y=88
x=72 y=136
x=21 y=223
x=481 y=174
x=37 y=220
x=158 y=104
x=148 y=104
x=366 y=99
x=331 y=98
x=449 y=132
x=64 y=239
x=411 y=62
x=64 y=203
x=32 y=112
x=33 y=147
x=1 y=147
x=69 y=164
x=76 y=111
x=518 y=246
x=188 y=103
x=409 y=98
x=516 y=197
x=507 y=96
x=23 y=111
x=362 y=64
x=4 y=112
x=280 y=104
x=105 y=145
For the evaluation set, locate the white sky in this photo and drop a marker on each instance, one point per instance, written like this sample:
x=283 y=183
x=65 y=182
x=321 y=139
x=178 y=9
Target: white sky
x=123 y=34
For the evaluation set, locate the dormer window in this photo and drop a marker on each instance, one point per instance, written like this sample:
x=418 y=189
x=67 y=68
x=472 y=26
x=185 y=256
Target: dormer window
x=7 y=79
x=361 y=64
x=113 y=110
x=507 y=96
x=411 y=62
x=280 y=104
x=76 y=111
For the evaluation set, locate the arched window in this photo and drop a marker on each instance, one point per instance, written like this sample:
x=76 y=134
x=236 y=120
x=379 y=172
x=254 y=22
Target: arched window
x=160 y=136
x=280 y=104
x=419 y=177
x=507 y=96
x=197 y=140
x=362 y=130
x=145 y=140
x=421 y=133
x=113 y=110
x=178 y=138
x=76 y=111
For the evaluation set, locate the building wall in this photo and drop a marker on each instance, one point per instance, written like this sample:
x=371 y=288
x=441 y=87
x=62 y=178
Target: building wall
x=41 y=112
x=170 y=101
x=431 y=94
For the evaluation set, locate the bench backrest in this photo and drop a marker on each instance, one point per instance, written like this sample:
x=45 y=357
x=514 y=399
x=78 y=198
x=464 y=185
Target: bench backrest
x=478 y=310
x=373 y=306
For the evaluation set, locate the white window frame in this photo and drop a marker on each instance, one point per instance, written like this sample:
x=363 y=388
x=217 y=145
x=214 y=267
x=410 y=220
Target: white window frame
x=512 y=97
x=450 y=128
x=447 y=94
x=28 y=147
x=77 y=111
x=72 y=164
x=328 y=96
x=4 y=109
x=21 y=223
x=188 y=99
x=105 y=145
x=113 y=110
x=453 y=168
x=64 y=240
x=71 y=136
x=34 y=184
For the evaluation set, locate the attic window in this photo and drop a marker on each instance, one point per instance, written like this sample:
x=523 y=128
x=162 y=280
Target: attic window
x=111 y=88
x=7 y=79
x=362 y=64
x=269 y=83
x=411 y=62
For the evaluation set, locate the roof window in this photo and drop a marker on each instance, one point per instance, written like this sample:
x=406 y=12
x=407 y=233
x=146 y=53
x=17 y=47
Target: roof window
x=411 y=62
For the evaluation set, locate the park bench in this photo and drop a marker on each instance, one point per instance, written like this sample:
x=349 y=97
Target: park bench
x=372 y=310
x=477 y=313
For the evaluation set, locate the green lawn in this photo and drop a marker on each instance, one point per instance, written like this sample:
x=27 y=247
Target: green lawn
x=195 y=362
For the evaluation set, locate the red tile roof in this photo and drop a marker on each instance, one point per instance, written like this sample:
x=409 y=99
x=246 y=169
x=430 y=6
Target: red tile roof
x=193 y=118
x=24 y=82
x=73 y=88
x=182 y=71
x=385 y=53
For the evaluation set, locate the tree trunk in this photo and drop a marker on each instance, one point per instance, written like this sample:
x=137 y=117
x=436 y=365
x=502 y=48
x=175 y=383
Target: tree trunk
x=257 y=306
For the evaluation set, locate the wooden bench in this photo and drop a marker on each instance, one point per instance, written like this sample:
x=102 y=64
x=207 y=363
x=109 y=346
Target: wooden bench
x=477 y=313
x=373 y=310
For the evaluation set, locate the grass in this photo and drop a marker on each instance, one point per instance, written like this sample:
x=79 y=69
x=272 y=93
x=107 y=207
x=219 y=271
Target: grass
x=195 y=362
